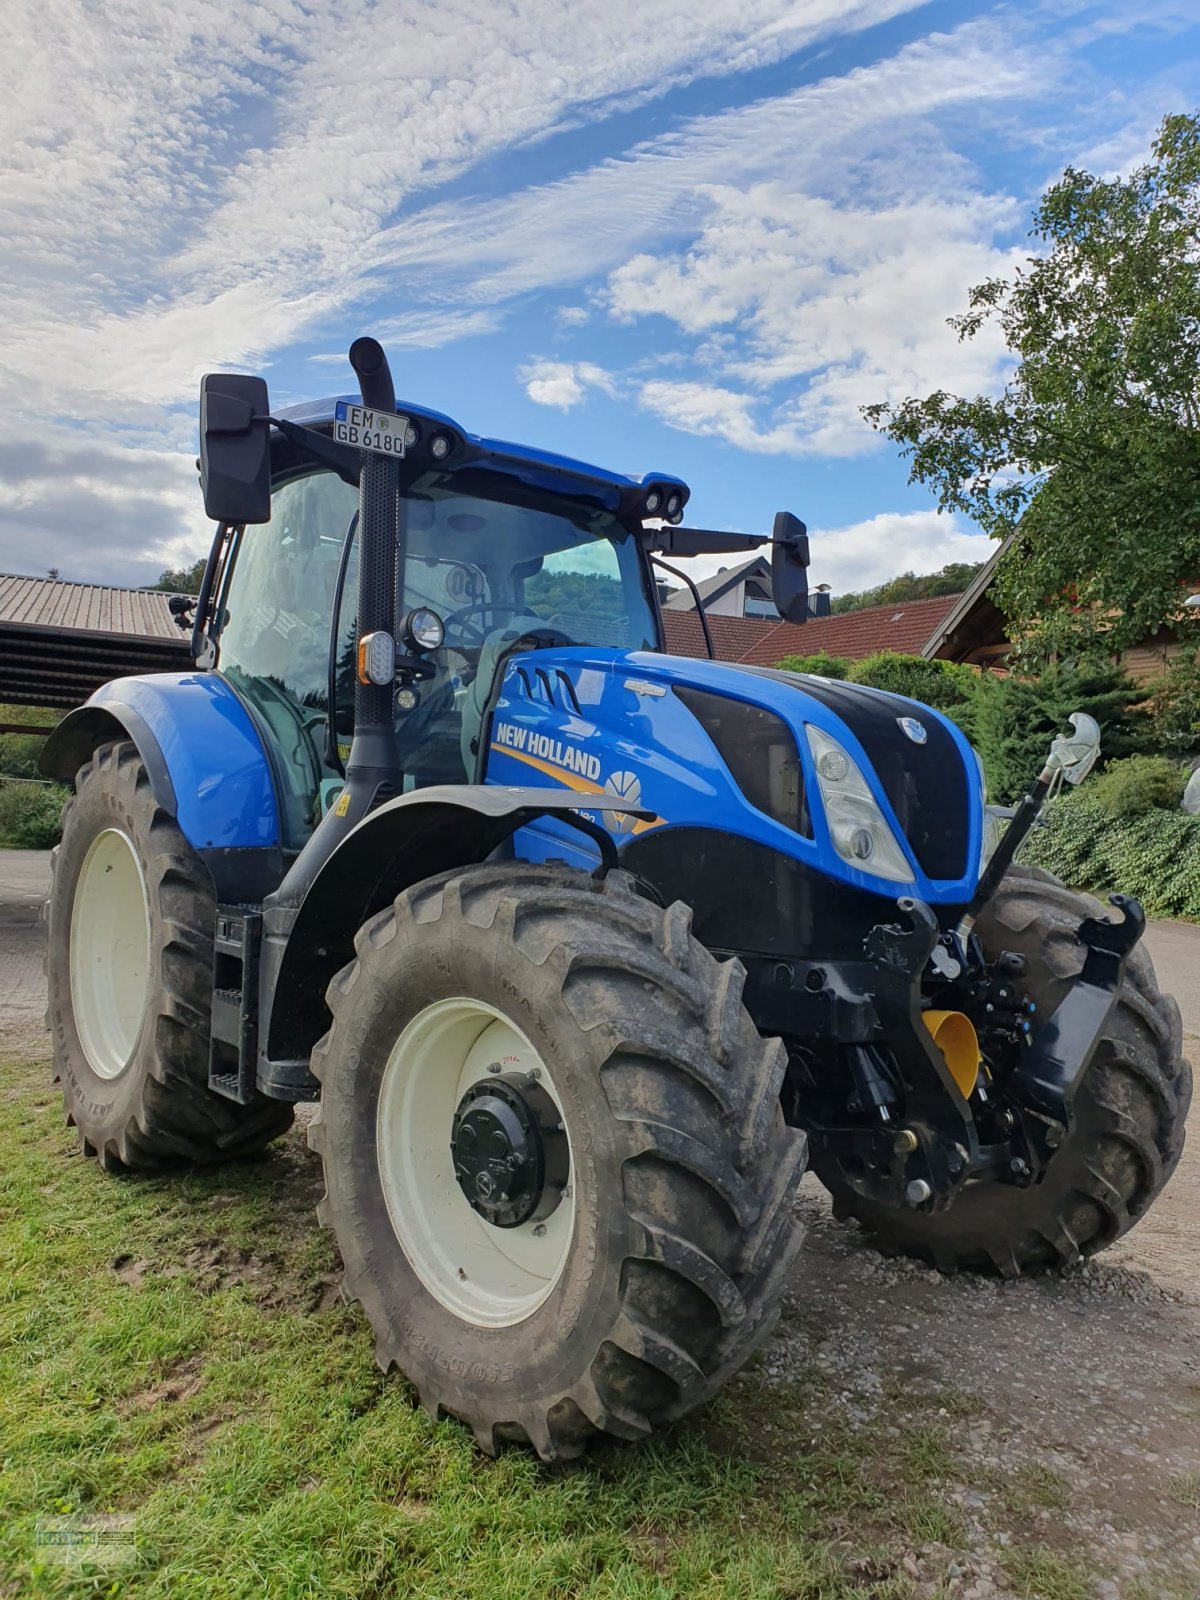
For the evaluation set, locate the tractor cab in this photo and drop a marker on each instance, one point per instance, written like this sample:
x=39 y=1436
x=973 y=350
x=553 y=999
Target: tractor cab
x=487 y=564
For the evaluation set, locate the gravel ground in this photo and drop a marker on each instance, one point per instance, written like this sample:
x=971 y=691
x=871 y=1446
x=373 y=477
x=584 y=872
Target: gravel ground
x=1093 y=1377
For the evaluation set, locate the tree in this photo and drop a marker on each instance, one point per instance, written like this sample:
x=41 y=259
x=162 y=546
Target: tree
x=574 y=594
x=1015 y=719
x=183 y=580
x=950 y=579
x=1092 y=452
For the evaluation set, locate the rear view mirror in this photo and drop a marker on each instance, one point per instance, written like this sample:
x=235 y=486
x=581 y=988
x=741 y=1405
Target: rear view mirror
x=789 y=567
x=235 y=448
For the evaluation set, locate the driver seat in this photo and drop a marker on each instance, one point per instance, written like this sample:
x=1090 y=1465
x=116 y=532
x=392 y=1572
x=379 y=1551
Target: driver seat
x=495 y=647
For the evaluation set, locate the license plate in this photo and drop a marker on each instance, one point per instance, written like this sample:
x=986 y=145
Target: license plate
x=367 y=429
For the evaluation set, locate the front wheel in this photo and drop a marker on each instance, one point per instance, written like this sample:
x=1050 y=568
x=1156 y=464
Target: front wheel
x=129 y=961
x=554 y=1159
x=1130 y=1110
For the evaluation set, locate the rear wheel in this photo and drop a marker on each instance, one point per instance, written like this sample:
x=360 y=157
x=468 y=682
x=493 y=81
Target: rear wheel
x=129 y=974
x=1130 y=1111
x=554 y=1159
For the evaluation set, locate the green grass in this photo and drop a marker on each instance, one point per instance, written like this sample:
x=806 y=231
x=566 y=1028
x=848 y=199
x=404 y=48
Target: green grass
x=1047 y=1575
x=171 y=1349
x=1184 y=1489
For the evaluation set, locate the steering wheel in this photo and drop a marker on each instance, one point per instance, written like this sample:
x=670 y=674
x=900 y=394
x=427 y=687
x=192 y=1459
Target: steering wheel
x=458 y=619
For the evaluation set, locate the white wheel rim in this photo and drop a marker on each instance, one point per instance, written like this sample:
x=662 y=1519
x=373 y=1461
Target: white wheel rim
x=110 y=952
x=488 y=1276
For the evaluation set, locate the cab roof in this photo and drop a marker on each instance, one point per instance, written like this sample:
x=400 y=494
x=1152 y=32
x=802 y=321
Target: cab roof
x=542 y=469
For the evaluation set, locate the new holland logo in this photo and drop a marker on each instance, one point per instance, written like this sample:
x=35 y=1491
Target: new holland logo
x=625 y=786
x=914 y=729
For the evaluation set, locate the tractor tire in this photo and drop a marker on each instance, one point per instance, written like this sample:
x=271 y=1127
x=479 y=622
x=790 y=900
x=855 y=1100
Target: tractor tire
x=129 y=960
x=660 y=1269
x=1130 y=1112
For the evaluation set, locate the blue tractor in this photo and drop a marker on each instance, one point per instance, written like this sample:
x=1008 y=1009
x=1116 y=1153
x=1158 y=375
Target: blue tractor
x=587 y=951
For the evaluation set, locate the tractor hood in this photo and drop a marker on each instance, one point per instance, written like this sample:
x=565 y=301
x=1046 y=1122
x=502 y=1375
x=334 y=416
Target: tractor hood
x=842 y=782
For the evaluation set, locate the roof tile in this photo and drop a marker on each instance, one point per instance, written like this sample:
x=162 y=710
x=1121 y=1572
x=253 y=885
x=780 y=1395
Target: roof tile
x=904 y=627
x=51 y=603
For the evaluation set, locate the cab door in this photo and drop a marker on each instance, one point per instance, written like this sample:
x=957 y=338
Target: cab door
x=275 y=616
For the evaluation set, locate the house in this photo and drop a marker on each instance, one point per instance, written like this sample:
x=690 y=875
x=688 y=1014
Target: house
x=60 y=641
x=742 y=591
x=968 y=627
x=905 y=627
x=974 y=630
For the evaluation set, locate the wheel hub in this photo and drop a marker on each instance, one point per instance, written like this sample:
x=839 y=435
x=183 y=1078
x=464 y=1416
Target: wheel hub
x=509 y=1150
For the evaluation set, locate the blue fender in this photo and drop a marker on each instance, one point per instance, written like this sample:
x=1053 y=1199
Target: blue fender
x=203 y=755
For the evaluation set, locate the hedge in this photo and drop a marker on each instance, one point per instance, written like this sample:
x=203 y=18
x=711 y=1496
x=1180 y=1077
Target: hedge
x=946 y=685
x=822 y=665
x=1139 y=784
x=30 y=815
x=1155 y=856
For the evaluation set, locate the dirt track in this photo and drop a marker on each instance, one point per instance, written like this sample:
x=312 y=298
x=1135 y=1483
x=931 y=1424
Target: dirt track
x=1087 y=1385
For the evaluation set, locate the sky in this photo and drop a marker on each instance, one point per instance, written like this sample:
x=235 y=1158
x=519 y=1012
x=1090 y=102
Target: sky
x=660 y=235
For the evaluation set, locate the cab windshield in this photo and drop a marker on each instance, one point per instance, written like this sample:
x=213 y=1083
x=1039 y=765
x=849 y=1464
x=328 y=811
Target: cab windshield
x=501 y=575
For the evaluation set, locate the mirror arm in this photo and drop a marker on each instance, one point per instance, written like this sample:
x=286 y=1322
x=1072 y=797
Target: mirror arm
x=676 y=541
x=200 y=615
x=340 y=458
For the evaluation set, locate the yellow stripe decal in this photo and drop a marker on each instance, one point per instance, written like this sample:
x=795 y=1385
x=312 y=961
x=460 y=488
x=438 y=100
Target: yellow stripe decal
x=572 y=780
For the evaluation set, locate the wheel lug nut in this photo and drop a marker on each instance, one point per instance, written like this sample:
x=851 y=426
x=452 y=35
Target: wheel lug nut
x=917 y=1192
x=539 y=1231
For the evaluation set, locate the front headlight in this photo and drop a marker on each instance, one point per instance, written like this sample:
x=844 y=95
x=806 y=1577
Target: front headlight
x=993 y=817
x=860 y=832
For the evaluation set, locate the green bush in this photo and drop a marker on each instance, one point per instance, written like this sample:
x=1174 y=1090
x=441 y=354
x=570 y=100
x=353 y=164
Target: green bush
x=30 y=815
x=947 y=686
x=1016 y=718
x=19 y=754
x=822 y=665
x=1139 y=784
x=1174 y=706
x=1155 y=856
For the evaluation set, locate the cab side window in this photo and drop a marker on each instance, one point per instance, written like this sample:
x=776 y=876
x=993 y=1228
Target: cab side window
x=276 y=612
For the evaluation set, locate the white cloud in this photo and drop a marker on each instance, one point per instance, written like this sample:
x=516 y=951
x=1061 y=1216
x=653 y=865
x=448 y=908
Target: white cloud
x=425 y=330
x=95 y=508
x=564 y=384
x=801 y=303
x=194 y=186
x=842 y=305
x=837 y=137
x=863 y=554
x=711 y=411
x=225 y=173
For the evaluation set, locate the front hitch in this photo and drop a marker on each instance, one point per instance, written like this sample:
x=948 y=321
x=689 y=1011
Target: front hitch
x=1050 y=1069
